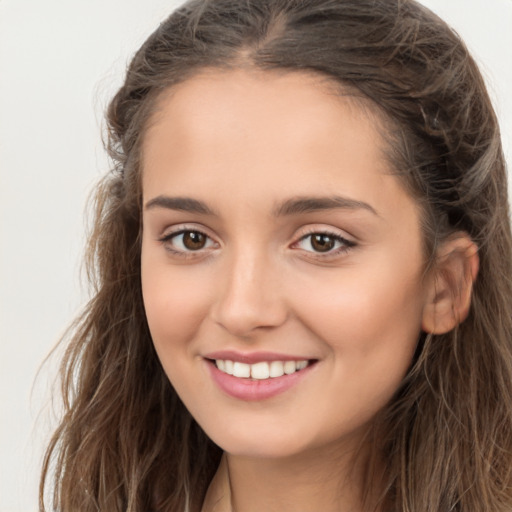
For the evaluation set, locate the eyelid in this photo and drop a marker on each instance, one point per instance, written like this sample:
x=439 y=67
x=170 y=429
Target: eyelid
x=347 y=242
x=175 y=231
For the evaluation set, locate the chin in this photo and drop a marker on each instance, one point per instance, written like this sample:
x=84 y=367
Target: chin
x=279 y=443
x=257 y=443
x=263 y=449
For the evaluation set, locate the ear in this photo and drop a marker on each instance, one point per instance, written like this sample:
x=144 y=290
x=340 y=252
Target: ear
x=450 y=284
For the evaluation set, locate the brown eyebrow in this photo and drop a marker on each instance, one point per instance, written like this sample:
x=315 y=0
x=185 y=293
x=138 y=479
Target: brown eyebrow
x=184 y=204
x=291 y=206
x=313 y=204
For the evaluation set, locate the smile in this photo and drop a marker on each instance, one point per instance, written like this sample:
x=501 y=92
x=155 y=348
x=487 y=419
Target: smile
x=258 y=376
x=262 y=370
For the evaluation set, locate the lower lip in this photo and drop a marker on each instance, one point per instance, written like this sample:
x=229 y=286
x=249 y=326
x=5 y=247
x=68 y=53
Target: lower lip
x=252 y=390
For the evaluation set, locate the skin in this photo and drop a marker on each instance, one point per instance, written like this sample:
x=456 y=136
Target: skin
x=245 y=143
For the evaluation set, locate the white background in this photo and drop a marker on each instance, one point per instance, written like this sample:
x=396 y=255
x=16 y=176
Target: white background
x=60 y=62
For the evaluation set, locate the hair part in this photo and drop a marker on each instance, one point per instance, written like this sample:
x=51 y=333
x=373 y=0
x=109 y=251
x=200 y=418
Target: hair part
x=126 y=442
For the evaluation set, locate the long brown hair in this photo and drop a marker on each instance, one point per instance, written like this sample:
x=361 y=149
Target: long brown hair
x=126 y=442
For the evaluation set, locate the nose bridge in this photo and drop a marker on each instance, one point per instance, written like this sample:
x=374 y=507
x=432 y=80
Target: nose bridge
x=249 y=296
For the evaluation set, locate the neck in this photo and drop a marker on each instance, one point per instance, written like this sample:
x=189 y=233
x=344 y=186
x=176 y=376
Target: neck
x=328 y=479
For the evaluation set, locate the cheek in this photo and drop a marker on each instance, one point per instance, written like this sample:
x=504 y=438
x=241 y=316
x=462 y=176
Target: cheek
x=371 y=333
x=176 y=305
x=369 y=321
x=174 y=301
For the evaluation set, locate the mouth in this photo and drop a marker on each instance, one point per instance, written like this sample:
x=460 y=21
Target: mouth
x=257 y=377
x=261 y=370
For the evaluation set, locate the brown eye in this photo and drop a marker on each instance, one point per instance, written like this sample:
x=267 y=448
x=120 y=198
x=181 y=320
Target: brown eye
x=322 y=242
x=194 y=240
x=187 y=241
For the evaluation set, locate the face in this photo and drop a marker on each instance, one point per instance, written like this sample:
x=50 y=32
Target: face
x=281 y=261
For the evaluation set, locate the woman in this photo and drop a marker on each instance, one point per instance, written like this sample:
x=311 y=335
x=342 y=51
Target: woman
x=302 y=264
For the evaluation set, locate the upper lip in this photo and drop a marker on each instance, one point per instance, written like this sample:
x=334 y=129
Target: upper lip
x=253 y=357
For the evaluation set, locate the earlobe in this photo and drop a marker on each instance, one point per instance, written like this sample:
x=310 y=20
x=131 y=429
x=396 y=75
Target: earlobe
x=448 y=296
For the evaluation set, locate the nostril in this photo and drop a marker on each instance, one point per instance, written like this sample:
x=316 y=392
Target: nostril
x=249 y=297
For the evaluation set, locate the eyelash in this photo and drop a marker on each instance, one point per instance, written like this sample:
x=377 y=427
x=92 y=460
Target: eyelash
x=167 y=239
x=346 y=245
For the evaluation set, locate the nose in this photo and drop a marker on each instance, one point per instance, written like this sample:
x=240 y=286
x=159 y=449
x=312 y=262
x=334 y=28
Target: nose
x=250 y=295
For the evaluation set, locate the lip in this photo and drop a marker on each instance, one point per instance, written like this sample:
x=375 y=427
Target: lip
x=253 y=390
x=252 y=357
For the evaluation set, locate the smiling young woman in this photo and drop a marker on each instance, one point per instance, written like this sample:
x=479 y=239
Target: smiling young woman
x=303 y=266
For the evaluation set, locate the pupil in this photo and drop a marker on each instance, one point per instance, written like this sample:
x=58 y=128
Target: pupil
x=322 y=243
x=193 y=240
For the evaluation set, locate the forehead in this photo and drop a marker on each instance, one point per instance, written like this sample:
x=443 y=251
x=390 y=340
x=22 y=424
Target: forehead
x=243 y=85
x=248 y=134
x=220 y=95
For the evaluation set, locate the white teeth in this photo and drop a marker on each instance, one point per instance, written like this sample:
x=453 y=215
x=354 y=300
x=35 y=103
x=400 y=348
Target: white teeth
x=276 y=369
x=262 y=370
x=241 y=369
x=228 y=367
x=289 y=367
x=301 y=365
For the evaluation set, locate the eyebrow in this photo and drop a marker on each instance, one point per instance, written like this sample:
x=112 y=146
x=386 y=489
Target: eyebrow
x=300 y=205
x=293 y=206
x=184 y=204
